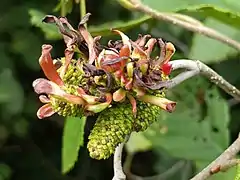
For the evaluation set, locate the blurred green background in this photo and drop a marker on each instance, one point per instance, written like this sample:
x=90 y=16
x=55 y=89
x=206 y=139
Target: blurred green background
x=175 y=148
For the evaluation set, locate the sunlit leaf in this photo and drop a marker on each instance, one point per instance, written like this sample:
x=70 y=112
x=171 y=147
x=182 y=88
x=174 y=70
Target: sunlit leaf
x=171 y=5
x=218 y=116
x=189 y=136
x=176 y=5
x=73 y=139
x=209 y=50
x=226 y=12
x=224 y=15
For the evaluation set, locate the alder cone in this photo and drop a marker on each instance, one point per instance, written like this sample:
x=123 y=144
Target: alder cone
x=66 y=109
x=115 y=123
x=110 y=129
x=74 y=74
x=146 y=115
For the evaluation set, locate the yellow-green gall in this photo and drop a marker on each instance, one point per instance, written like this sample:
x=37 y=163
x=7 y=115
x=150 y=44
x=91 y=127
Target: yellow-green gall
x=74 y=74
x=65 y=109
x=115 y=123
x=146 y=115
x=110 y=129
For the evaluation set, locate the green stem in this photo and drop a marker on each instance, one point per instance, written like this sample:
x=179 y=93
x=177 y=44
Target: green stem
x=126 y=4
x=63 y=9
x=82 y=9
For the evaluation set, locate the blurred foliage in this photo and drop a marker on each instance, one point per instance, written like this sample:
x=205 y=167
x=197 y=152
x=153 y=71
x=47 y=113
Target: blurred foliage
x=176 y=147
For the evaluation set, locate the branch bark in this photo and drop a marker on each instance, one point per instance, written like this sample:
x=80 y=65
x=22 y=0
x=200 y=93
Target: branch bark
x=197 y=67
x=222 y=163
x=189 y=25
x=117 y=162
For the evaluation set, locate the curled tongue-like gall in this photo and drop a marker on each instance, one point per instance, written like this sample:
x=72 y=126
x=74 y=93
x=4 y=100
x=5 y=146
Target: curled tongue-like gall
x=46 y=63
x=45 y=111
x=119 y=95
x=170 y=107
x=162 y=102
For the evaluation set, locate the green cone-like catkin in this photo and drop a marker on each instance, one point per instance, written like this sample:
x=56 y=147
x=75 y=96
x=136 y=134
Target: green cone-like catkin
x=146 y=115
x=72 y=78
x=110 y=129
x=74 y=74
x=115 y=123
x=66 y=109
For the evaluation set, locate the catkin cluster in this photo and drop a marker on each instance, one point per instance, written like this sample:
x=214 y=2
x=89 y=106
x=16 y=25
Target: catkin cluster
x=121 y=83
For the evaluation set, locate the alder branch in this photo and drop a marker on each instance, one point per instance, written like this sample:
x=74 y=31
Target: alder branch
x=117 y=162
x=195 y=67
x=180 y=78
x=222 y=163
x=185 y=23
x=227 y=159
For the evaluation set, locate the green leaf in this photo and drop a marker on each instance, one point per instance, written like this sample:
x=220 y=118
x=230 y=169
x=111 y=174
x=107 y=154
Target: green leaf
x=126 y=4
x=170 y=5
x=226 y=16
x=226 y=12
x=187 y=92
x=138 y=143
x=73 y=139
x=209 y=50
x=188 y=119
x=179 y=5
x=104 y=29
x=218 y=116
x=187 y=135
x=50 y=30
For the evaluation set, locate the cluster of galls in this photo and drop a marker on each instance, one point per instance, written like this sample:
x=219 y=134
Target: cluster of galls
x=120 y=82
